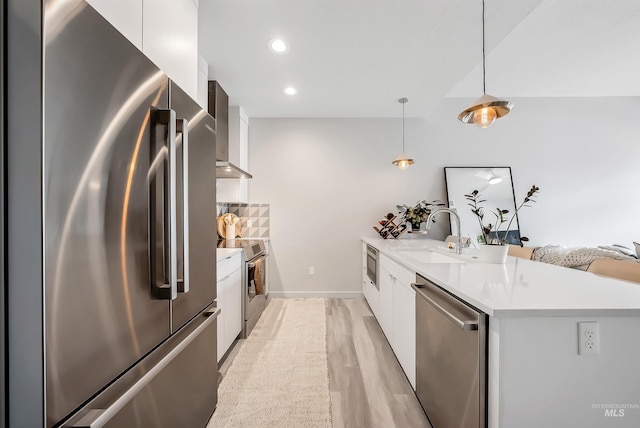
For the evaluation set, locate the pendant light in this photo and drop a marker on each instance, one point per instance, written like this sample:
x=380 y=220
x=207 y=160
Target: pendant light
x=403 y=161
x=486 y=109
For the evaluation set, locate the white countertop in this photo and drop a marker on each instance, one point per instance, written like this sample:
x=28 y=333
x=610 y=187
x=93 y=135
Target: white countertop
x=223 y=253
x=519 y=287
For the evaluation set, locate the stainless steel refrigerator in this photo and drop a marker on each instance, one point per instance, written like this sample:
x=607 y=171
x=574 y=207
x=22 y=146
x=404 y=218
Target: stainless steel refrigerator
x=129 y=237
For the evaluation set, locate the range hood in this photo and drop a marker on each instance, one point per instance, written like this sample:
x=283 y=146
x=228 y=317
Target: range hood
x=225 y=169
x=218 y=101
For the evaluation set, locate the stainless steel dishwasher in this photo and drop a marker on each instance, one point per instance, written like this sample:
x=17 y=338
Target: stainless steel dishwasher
x=451 y=358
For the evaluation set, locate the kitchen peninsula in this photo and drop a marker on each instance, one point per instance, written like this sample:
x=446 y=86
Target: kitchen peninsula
x=535 y=374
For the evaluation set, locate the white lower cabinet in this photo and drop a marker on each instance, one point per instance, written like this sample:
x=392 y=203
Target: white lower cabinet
x=371 y=293
x=393 y=305
x=229 y=289
x=404 y=329
x=385 y=304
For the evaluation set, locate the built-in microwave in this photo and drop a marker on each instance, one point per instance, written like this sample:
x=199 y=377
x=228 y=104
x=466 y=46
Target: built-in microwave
x=372 y=265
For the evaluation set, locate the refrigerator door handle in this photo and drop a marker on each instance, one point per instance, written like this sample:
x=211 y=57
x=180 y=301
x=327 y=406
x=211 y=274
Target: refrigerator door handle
x=164 y=266
x=183 y=283
x=97 y=418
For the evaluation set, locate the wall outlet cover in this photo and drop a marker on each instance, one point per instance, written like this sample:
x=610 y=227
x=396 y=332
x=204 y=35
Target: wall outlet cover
x=588 y=338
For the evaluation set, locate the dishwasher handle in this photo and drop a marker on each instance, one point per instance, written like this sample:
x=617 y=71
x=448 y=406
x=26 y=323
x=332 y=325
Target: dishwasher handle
x=424 y=290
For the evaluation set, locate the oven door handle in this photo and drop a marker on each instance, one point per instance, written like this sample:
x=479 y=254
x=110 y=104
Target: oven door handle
x=253 y=261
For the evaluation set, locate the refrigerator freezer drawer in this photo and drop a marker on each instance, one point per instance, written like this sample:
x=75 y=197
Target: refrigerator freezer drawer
x=174 y=386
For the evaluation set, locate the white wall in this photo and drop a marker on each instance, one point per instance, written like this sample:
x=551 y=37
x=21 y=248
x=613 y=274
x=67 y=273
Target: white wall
x=330 y=180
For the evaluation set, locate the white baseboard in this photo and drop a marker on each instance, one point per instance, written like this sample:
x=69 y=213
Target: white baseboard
x=325 y=294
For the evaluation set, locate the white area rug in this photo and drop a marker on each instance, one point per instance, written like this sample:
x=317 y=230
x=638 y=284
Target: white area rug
x=279 y=378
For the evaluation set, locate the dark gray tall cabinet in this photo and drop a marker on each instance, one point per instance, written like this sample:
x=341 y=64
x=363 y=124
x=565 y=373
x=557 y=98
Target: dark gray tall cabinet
x=22 y=229
x=3 y=392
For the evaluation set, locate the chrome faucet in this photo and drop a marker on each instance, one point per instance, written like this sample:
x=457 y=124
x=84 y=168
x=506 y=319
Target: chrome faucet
x=457 y=217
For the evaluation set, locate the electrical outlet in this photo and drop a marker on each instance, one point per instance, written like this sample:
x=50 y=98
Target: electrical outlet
x=588 y=338
x=249 y=223
x=312 y=270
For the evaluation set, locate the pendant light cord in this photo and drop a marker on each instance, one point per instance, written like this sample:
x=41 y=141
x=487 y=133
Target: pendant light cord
x=403 y=126
x=484 y=70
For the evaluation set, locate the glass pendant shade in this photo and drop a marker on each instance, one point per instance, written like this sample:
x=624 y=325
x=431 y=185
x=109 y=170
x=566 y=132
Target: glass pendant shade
x=484 y=112
x=403 y=161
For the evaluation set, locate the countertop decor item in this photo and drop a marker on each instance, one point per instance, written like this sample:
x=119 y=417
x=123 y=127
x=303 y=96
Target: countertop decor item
x=417 y=214
x=403 y=161
x=493 y=253
x=389 y=229
x=491 y=233
x=487 y=108
x=224 y=221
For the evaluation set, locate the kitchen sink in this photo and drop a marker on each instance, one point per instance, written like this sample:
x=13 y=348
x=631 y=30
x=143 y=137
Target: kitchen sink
x=427 y=256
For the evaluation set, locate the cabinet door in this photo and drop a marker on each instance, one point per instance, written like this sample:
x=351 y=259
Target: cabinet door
x=371 y=293
x=236 y=190
x=221 y=317
x=170 y=40
x=404 y=329
x=243 y=190
x=233 y=307
x=385 y=304
x=124 y=15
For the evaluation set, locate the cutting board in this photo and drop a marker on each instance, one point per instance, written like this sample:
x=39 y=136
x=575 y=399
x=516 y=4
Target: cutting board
x=222 y=227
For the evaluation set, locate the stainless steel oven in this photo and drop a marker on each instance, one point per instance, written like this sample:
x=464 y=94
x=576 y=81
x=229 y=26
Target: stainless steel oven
x=256 y=292
x=372 y=265
x=254 y=279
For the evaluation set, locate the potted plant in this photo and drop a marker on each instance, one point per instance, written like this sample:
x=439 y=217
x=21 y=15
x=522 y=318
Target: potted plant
x=491 y=235
x=417 y=214
x=491 y=232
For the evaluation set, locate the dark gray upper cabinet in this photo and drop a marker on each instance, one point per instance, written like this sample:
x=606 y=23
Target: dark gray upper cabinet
x=219 y=109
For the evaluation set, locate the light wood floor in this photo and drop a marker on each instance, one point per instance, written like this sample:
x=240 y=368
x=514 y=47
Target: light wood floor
x=368 y=388
x=367 y=385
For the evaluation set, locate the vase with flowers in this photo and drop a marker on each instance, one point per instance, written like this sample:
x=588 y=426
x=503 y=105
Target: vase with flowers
x=492 y=234
x=418 y=214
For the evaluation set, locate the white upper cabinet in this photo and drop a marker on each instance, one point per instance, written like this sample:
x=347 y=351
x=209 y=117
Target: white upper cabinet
x=236 y=190
x=170 y=39
x=125 y=15
x=165 y=30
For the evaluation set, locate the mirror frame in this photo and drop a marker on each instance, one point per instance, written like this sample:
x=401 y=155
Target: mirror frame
x=513 y=238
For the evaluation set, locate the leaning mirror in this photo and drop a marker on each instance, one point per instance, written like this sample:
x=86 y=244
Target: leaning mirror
x=496 y=189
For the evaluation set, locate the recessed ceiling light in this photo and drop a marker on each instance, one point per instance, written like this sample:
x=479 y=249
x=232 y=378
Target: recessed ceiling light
x=278 y=46
x=290 y=90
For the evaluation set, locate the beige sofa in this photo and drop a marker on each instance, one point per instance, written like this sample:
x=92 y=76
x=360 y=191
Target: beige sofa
x=625 y=270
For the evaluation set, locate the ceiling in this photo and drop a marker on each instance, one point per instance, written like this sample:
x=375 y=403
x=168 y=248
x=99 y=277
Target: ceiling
x=356 y=58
